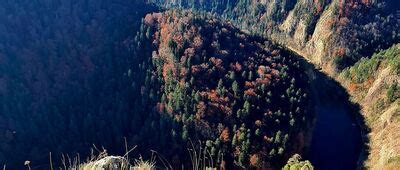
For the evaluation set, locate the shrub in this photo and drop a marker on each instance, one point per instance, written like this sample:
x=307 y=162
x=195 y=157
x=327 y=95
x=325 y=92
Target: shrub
x=295 y=163
x=393 y=93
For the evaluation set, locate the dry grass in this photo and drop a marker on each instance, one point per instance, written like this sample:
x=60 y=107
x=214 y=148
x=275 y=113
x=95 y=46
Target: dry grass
x=141 y=164
x=200 y=157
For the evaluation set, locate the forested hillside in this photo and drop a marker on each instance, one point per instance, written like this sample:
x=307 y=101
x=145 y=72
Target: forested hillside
x=339 y=36
x=244 y=98
x=333 y=34
x=64 y=81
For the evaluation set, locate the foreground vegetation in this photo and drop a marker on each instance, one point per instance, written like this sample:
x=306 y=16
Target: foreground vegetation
x=295 y=163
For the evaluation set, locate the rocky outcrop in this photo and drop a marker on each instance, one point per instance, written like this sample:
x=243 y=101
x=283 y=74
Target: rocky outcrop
x=107 y=163
x=117 y=163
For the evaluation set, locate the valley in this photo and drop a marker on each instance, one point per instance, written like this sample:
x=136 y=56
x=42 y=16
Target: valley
x=220 y=84
x=337 y=138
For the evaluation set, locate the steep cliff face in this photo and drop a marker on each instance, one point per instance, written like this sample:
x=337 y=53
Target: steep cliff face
x=333 y=34
x=374 y=83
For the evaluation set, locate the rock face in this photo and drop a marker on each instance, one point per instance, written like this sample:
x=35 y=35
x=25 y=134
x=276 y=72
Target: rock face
x=107 y=163
x=381 y=106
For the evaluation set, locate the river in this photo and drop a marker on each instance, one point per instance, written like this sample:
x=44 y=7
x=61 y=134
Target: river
x=336 y=137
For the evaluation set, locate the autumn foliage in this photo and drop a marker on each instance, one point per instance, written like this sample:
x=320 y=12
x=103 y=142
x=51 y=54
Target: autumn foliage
x=235 y=92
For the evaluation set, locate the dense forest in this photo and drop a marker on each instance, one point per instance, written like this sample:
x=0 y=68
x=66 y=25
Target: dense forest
x=331 y=33
x=246 y=98
x=64 y=81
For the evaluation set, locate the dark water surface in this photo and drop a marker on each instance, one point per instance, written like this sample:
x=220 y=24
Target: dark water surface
x=336 y=138
x=336 y=142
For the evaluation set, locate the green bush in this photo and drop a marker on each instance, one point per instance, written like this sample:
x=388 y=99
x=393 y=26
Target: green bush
x=366 y=67
x=295 y=163
x=393 y=93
